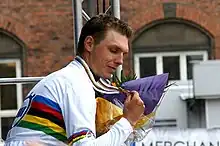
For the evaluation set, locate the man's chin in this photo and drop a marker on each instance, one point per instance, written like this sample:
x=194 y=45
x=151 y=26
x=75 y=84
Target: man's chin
x=107 y=76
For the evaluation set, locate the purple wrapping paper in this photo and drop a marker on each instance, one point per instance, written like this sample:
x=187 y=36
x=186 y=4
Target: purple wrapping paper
x=149 y=88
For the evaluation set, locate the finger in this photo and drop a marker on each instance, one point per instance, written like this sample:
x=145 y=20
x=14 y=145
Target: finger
x=136 y=94
x=140 y=102
x=133 y=94
x=128 y=99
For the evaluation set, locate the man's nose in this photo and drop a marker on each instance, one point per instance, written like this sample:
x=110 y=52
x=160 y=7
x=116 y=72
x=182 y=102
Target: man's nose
x=119 y=59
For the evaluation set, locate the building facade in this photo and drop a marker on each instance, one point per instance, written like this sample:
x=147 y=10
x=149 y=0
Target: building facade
x=37 y=38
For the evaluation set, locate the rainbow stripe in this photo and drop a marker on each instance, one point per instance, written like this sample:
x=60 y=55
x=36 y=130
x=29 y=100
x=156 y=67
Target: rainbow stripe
x=79 y=135
x=45 y=115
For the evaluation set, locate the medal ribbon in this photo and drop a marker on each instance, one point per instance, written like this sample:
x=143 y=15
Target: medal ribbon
x=102 y=85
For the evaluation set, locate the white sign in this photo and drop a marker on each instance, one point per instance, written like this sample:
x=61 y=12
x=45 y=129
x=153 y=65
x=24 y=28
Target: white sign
x=194 y=137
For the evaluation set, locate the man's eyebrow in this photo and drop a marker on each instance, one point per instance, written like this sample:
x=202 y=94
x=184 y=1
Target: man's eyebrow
x=118 y=48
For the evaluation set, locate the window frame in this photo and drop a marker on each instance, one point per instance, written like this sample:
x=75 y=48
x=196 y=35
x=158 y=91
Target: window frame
x=159 y=61
x=12 y=112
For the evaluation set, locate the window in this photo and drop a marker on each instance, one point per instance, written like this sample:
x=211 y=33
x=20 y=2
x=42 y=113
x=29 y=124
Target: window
x=177 y=64
x=171 y=65
x=10 y=95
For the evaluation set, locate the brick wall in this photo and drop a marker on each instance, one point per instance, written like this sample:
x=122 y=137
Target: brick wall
x=46 y=27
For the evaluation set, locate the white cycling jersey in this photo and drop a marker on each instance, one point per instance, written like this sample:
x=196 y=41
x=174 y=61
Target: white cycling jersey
x=61 y=110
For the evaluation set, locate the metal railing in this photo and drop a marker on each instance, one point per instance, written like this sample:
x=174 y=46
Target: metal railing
x=23 y=80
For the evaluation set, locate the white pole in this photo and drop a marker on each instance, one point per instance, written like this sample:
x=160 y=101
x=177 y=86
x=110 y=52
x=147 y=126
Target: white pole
x=77 y=10
x=115 y=5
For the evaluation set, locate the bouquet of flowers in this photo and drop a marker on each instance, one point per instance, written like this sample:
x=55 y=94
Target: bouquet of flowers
x=110 y=106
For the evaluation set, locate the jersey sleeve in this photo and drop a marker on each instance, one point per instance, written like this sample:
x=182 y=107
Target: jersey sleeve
x=117 y=135
x=79 y=109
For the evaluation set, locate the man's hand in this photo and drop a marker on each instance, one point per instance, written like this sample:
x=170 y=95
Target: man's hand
x=133 y=107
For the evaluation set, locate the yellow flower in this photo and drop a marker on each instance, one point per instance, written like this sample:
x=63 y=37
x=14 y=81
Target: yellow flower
x=113 y=84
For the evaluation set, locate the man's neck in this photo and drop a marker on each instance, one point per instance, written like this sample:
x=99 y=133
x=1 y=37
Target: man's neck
x=96 y=77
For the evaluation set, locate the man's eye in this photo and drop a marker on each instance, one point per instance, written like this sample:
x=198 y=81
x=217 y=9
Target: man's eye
x=113 y=50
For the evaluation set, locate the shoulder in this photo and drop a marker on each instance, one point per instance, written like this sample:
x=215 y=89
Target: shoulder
x=72 y=77
x=69 y=75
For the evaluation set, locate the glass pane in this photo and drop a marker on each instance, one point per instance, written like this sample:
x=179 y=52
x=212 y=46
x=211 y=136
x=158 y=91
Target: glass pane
x=147 y=66
x=8 y=92
x=190 y=60
x=7 y=70
x=171 y=65
x=8 y=97
x=27 y=88
x=5 y=127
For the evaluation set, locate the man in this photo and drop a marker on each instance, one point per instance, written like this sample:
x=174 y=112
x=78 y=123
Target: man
x=61 y=108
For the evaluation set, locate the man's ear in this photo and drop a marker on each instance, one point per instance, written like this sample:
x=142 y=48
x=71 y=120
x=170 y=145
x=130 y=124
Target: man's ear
x=89 y=43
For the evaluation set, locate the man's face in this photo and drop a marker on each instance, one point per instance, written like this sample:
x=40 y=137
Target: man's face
x=106 y=56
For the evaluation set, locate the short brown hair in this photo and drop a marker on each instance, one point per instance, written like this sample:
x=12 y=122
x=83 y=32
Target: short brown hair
x=97 y=27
